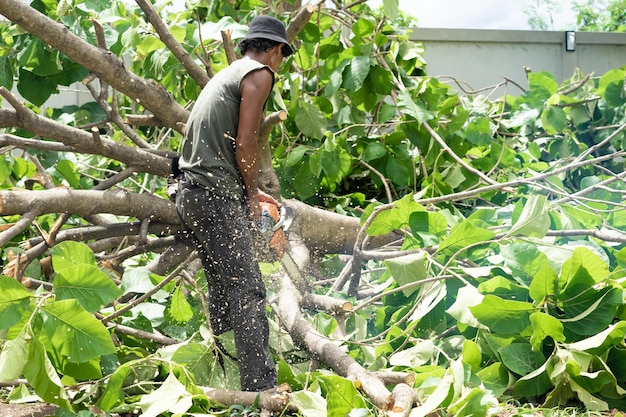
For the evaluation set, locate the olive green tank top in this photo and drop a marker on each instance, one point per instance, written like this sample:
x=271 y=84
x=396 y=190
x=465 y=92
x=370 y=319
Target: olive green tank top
x=208 y=156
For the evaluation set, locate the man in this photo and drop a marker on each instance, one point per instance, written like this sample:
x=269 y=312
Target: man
x=218 y=194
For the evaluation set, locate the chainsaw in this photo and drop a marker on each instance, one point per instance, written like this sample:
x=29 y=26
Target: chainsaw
x=273 y=226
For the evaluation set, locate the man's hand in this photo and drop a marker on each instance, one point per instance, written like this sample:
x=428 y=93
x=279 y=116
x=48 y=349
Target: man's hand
x=254 y=208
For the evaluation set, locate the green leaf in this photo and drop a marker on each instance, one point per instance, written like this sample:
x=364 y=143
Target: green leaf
x=336 y=162
x=68 y=170
x=467 y=297
x=611 y=87
x=391 y=9
x=478 y=131
x=591 y=311
x=69 y=254
x=295 y=155
x=341 y=395
x=471 y=355
x=534 y=220
x=545 y=325
x=503 y=316
x=14 y=301
x=171 y=396
x=436 y=399
x=358 y=69
x=79 y=278
x=463 y=236
x=195 y=357
x=74 y=333
x=13 y=358
x=407 y=269
x=544 y=285
x=310 y=404
x=495 y=378
x=428 y=226
x=395 y=218
x=6 y=74
x=113 y=394
x=415 y=356
x=601 y=342
x=524 y=259
x=521 y=358
x=470 y=404
x=553 y=119
x=310 y=120
x=180 y=309
x=374 y=150
x=411 y=108
x=533 y=384
x=34 y=88
x=42 y=377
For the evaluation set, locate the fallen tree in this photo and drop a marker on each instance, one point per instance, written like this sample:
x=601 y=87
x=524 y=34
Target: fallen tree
x=418 y=213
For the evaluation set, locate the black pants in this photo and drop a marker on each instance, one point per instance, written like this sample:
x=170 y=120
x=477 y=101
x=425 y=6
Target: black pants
x=236 y=292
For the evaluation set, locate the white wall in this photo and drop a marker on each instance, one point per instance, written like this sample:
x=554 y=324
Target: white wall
x=482 y=58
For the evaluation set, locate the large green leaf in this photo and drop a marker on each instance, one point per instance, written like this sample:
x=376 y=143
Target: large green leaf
x=411 y=108
x=171 y=396
x=113 y=394
x=535 y=383
x=428 y=226
x=14 y=301
x=495 y=378
x=612 y=88
x=195 y=357
x=545 y=325
x=599 y=343
x=407 y=269
x=34 y=88
x=6 y=74
x=86 y=283
x=341 y=395
x=74 y=333
x=534 y=220
x=310 y=120
x=42 y=376
x=503 y=316
x=310 y=404
x=394 y=218
x=592 y=311
x=464 y=236
x=335 y=161
x=13 y=358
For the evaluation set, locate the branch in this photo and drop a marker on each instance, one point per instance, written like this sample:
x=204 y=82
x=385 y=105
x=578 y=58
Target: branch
x=23 y=143
x=271 y=401
x=102 y=63
x=154 y=337
x=325 y=350
x=87 y=202
x=77 y=140
x=299 y=21
x=454 y=156
x=229 y=46
x=193 y=69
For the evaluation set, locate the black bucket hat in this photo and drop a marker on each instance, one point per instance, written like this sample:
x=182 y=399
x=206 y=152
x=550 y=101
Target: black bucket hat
x=268 y=27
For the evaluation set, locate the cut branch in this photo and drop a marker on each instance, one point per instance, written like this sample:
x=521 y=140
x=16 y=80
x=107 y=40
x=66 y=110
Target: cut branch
x=193 y=69
x=85 y=203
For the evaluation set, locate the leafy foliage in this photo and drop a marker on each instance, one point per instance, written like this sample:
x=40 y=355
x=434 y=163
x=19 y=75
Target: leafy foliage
x=508 y=284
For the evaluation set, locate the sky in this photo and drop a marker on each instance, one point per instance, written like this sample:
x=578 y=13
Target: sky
x=480 y=14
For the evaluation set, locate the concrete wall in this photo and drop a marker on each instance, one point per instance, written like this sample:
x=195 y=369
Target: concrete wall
x=482 y=58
